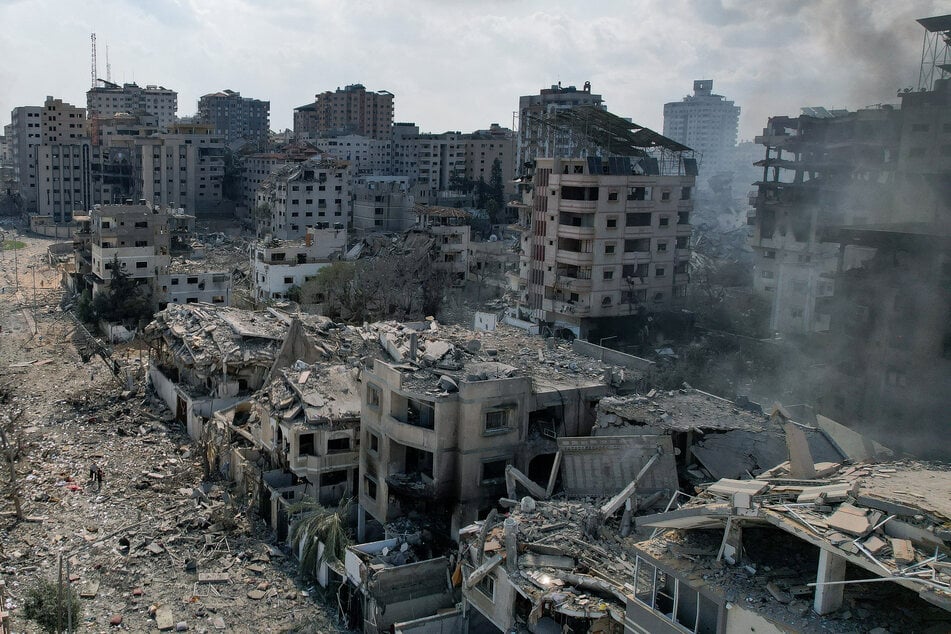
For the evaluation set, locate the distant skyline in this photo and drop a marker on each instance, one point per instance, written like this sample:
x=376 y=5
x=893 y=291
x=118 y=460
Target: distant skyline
x=454 y=65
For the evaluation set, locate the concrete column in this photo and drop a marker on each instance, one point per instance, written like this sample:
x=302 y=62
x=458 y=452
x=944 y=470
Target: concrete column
x=831 y=568
x=361 y=524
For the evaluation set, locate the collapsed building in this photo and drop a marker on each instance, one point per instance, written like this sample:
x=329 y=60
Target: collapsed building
x=204 y=357
x=450 y=410
x=771 y=554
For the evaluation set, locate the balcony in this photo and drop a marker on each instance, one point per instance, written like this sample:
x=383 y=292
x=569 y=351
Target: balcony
x=578 y=206
x=314 y=465
x=576 y=233
x=408 y=433
x=575 y=258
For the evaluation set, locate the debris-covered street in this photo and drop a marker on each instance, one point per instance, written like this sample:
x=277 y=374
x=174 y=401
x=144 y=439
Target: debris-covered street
x=155 y=548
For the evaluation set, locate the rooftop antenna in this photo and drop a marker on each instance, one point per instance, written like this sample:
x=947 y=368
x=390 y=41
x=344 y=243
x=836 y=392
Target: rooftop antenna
x=108 y=66
x=93 y=73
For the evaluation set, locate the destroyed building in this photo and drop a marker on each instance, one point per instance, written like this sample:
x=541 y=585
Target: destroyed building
x=279 y=265
x=450 y=229
x=449 y=411
x=295 y=196
x=205 y=357
x=150 y=243
x=773 y=554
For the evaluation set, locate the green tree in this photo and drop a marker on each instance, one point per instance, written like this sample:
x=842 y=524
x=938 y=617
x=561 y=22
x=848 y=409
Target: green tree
x=313 y=525
x=52 y=610
x=496 y=193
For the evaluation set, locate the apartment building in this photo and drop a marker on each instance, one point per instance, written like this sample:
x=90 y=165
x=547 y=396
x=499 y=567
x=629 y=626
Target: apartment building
x=63 y=172
x=236 y=118
x=706 y=122
x=382 y=203
x=255 y=168
x=536 y=138
x=303 y=195
x=450 y=228
x=279 y=265
x=602 y=241
x=886 y=360
x=351 y=110
x=145 y=241
x=483 y=148
x=25 y=134
x=182 y=168
x=110 y=99
x=822 y=169
x=366 y=155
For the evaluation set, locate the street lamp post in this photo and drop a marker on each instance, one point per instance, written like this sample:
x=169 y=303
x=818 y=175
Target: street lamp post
x=36 y=328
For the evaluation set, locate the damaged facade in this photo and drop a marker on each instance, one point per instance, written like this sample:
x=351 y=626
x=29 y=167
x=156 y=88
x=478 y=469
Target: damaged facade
x=604 y=239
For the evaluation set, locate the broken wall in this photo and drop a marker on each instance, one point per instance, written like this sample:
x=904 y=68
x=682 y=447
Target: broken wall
x=603 y=465
x=403 y=593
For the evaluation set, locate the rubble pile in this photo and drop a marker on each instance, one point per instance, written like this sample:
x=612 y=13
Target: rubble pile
x=153 y=545
x=440 y=351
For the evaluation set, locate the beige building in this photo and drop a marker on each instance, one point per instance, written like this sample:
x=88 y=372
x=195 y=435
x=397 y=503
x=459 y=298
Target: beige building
x=483 y=148
x=183 y=168
x=439 y=426
x=63 y=122
x=601 y=242
x=351 y=110
x=366 y=155
x=382 y=203
x=255 y=168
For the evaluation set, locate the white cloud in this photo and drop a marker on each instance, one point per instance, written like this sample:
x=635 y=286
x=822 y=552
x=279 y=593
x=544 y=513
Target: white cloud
x=459 y=65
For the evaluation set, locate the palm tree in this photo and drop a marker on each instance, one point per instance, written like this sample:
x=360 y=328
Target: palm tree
x=315 y=524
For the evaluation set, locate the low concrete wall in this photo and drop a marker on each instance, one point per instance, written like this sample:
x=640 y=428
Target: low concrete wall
x=608 y=355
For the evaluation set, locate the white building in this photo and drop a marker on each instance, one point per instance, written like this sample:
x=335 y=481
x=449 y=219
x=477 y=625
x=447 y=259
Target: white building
x=110 y=99
x=303 y=195
x=279 y=265
x=365 y=155
x=707 y=123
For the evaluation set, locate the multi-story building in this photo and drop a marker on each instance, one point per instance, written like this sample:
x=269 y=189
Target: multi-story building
x=602 y=242
x=819 y=171
x=382 y=203
x=255 y=168
x=182 y=168
x=483 y=148
x=449 y=227
x=63 y=161
x=25 y=134
x=144 y=240
x=439 y=427
x=536 y=138
x=110 y=99
x=351 y=110
x=365 y=155
x=706 y=122
x=63 y=122
x=236 y=118
x=303 y=195
x=279 y=265
x=887 y=357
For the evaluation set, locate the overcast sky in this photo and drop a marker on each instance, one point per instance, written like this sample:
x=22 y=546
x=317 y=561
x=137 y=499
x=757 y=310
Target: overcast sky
x=456 y=65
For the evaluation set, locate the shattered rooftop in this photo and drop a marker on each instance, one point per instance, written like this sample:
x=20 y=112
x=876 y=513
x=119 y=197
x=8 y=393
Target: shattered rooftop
x=465 y=355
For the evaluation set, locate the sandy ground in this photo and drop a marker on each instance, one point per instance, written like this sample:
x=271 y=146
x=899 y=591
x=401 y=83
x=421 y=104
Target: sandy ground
x=136 y=547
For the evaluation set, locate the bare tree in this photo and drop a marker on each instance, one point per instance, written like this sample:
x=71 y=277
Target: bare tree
x=10 y=453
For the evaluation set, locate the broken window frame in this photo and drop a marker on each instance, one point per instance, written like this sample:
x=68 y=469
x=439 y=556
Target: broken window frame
x=494 y=428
